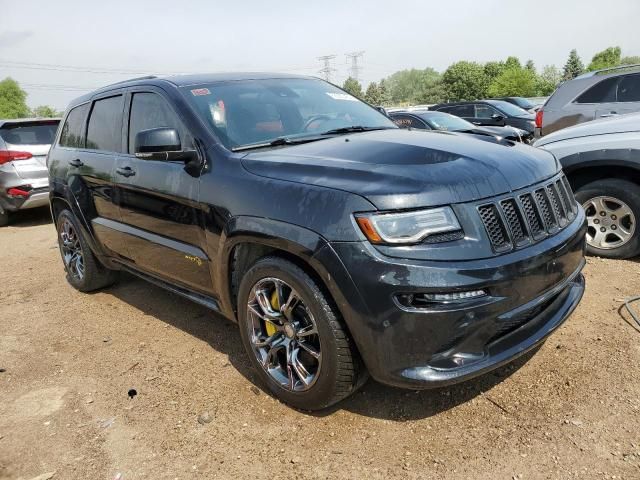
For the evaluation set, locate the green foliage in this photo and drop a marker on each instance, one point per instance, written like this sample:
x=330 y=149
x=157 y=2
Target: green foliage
x=512 y=62
x=548 y=80
x=609 y=57
x=415 y=86
x=493 y=70
x=45 y=111
x=12 y=100
x=385 y=94
x=514 y=82
x=630 y=60
x=352 y=86
x=530 y=66
x=573 y=67
x=372 y=95
x=465 y=81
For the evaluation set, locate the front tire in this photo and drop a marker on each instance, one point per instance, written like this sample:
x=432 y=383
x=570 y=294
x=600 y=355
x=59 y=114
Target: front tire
x=612 y=207
x=84 y=271
x=294 y=337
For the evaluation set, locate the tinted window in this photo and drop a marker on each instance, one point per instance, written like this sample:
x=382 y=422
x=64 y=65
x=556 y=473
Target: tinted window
x=485 y=111
x=508 y=108
x=602 y=92
x=105 y=125
x=444 y=121
x=72 y=134
x=29 y=133
x=149 y=110
x=406 y=121
x=458 y=110
x=629 y=89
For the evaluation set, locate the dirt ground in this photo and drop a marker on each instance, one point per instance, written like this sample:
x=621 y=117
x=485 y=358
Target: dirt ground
x=68 y=361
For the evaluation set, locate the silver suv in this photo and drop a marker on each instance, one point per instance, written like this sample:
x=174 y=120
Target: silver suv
x=24 y=144
x=594 y=95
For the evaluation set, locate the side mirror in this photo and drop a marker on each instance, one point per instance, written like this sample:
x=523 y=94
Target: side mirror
x=162 y=144
x=497 y=117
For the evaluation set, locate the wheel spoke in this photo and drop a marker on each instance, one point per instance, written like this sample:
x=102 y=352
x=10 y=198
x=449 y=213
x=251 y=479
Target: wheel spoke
x=291 y=303
x=267 y=342
x=311 y=350
x=299 y=369
x=307 y=331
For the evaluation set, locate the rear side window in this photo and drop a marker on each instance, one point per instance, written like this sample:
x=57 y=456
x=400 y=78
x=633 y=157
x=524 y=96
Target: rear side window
x=150 y=110
x=462 y=111
x=405 y=121
x=29 y=133
x=629 y=89
x=602 y=92
x=485 y=111
x=105 y=125
x=72 y=134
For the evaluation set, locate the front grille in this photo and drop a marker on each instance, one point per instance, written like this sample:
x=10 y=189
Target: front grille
x=517 y=221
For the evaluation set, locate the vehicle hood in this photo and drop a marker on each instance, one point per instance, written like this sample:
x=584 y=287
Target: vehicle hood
x=603 y=126
x=399 y=168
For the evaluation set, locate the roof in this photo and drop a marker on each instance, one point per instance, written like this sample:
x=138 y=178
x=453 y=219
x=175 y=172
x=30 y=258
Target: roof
x=186 y=80
x=620 y=69
x=26 y=120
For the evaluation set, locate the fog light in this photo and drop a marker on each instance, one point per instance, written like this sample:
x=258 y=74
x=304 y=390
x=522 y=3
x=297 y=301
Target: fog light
x=453 y=296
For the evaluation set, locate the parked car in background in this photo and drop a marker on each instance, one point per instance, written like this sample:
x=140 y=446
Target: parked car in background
x=521 y=102
x=340 y=243
x=440 y=121
x=594 y=95
x=494 y=113
x=602 y=162
x=24 y=182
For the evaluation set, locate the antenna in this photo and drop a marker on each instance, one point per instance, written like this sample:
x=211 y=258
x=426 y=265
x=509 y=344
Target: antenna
x=326 y=69
x=355 y=68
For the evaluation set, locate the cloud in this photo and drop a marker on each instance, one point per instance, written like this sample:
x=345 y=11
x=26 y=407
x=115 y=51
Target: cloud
x=12 y=38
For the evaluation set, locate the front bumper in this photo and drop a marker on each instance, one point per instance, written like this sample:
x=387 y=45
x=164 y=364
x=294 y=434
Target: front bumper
x=531 y=292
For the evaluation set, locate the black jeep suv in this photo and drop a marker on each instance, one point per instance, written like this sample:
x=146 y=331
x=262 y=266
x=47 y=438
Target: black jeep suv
x=339 y=243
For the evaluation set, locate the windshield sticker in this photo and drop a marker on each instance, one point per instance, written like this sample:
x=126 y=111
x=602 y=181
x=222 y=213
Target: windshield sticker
x=342 y=96
x=196 y=92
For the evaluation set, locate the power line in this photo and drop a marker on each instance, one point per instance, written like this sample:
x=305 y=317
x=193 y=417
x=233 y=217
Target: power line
x=326 y=69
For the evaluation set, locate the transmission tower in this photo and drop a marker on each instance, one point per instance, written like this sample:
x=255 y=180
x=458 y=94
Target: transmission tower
x=326 y=69
x=355 y=68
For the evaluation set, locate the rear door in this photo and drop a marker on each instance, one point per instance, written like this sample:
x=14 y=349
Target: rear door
x=463 y=111
x=91 y=160
x=627 y=98
x=32 y=137
x=484 y=115
x=159 y=199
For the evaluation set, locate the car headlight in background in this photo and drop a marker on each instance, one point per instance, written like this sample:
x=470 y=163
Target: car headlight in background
x=407 y=227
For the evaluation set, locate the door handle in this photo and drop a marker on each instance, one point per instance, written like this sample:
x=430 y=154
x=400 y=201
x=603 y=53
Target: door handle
x=605 y=115
x=76 y=163
x=125 y=171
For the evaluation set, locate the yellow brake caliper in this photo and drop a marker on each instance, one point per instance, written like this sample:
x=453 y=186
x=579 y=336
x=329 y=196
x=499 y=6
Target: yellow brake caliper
x=275 y=304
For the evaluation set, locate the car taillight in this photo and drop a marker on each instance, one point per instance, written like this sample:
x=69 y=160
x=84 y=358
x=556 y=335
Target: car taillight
x=539 y=115
x=17 y=192
x=7 y=156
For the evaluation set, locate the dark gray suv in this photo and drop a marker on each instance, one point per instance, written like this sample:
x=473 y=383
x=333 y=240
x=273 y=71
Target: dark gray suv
x=594 y=95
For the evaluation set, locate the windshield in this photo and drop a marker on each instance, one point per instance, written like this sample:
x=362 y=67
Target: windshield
x=444 y=121
x=523 y=103
x=26 y=133
x=248 y=112
x=509 y=108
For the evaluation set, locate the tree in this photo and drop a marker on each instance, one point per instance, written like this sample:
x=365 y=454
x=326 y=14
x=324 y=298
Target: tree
x=465 y=81
x=573 y=67
x=493 y=70
x=45 y=111
x=372 y=95
x=352 y=86
x=609 y=57
x=415 y=86
x=630 y=60
x=383 y=91
x=548 y=80
x=514 y=82
x=12 y=100
x=512 y=62
x=530 y=66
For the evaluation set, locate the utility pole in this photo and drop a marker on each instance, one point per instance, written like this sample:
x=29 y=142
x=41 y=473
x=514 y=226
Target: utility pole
x=326 y=69
x=355 y=68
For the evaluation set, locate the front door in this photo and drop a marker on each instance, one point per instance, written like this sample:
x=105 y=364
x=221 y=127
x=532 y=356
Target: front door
x=159 y=200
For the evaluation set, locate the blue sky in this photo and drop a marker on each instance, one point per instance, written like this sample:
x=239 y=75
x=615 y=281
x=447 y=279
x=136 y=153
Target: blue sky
x=119 y=39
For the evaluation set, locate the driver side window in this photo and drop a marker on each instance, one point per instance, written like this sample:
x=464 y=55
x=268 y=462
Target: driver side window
x=485 y=111
x=150 y=110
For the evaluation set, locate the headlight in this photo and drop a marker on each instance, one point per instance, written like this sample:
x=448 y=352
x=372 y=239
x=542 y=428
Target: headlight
x=407 y=227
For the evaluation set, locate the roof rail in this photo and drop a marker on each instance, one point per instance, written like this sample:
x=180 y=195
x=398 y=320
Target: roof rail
x=146 y=77
x=609 y=69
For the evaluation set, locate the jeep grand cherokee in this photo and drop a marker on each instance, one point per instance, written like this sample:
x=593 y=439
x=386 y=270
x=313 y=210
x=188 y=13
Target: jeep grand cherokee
x=340 y=244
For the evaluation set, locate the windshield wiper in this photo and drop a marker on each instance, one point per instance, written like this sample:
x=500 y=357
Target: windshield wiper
x=276 y=142
x=353 y=128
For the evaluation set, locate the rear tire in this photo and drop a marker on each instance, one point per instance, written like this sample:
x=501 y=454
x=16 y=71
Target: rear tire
x=4 y=219
x=613 y=210
x=329 y=362
x=84 y=272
